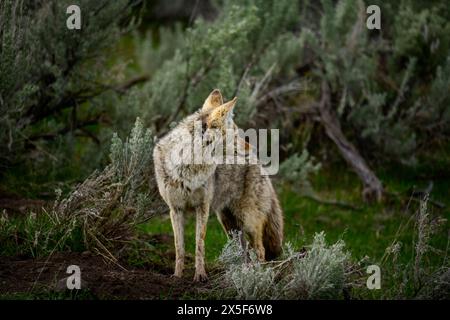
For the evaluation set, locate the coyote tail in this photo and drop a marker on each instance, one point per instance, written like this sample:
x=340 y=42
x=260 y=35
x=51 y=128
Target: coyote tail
x=273 y=231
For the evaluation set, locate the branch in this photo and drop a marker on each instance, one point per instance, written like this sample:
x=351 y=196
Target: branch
x=284 y=89
x=124 y=87
x=245 y=71
x=331 y=202
x=417 y=195
x=373 y=189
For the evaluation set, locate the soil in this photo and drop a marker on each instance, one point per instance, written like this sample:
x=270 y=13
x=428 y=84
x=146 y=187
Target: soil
x=101 y=279
x=35 y=278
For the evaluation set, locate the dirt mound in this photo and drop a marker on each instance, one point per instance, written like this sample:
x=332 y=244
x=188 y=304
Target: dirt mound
x=101 y=279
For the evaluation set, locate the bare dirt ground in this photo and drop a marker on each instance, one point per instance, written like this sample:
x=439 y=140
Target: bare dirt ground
x=46 y=277
x=102 y=280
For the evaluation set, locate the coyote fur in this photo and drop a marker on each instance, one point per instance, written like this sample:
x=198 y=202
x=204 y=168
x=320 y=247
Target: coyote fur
x=242 y=197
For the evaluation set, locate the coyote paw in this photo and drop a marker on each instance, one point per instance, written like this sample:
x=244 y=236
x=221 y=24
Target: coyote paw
x=200 y=277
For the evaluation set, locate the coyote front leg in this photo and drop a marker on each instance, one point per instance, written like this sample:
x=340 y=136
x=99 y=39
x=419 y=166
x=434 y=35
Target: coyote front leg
x=177 y=219
x=202 y=220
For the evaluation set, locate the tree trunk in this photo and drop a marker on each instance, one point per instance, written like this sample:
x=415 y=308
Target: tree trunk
x=373 y=189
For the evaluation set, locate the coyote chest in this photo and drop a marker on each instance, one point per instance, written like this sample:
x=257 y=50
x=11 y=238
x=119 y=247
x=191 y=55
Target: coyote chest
x=191 y=187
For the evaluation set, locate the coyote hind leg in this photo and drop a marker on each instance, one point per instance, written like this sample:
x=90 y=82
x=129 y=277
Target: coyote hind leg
x=254 y=230
x=228 y=221
x=256 y=241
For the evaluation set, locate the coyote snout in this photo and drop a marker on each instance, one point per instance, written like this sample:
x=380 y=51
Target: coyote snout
x=240 y=194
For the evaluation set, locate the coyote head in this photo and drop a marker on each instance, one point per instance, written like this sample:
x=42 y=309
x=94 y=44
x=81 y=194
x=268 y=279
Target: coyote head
x=215 y=117
x=210 y=134
x=218 y=115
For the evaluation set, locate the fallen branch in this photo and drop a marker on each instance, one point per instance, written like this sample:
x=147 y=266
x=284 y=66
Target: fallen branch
x=332 y=202
x=417 y=195
x=373 y=189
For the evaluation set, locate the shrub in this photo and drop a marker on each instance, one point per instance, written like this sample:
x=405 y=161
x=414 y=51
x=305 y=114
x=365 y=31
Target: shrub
x=101 y=212
x=425 y=272
x=382 y=99
x=318 y=273
x=110 y=202
x=296 y=170
x=239 y=52
x=49 y=73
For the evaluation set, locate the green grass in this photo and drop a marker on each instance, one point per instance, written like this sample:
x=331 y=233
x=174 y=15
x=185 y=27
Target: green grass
x=215 y=236
x=38 y=235
x=367 y=232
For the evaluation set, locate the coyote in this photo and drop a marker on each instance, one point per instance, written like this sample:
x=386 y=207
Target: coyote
x=242 y=197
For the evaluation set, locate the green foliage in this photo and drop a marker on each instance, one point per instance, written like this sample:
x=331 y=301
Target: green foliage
x=317 y=274
x=422 y=33
x=236 y=53
x=149 y=50
x=321 y=273
x=296 y=170
x=47 y=70
x=99 y=213
x=381 y=97
x=39 y=235
x=111 y=202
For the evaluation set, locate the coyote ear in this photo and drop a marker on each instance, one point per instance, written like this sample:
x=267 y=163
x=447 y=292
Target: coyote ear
x=229 y=105
x=213 y=101
x=220 y=114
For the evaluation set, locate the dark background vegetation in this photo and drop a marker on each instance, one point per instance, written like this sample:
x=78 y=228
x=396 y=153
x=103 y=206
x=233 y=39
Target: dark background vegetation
x=364 y=119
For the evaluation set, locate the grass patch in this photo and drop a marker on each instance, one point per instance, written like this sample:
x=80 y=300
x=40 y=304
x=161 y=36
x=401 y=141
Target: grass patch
x=367 y=232
x=39 y=235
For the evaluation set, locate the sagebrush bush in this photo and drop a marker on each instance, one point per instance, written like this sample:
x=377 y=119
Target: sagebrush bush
x=318 y=273
x=233 y=253
x=383 y=98
x=109 y=203
x=248 y=44
x=296 y=171
x=100 y=213
x=52 y=81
